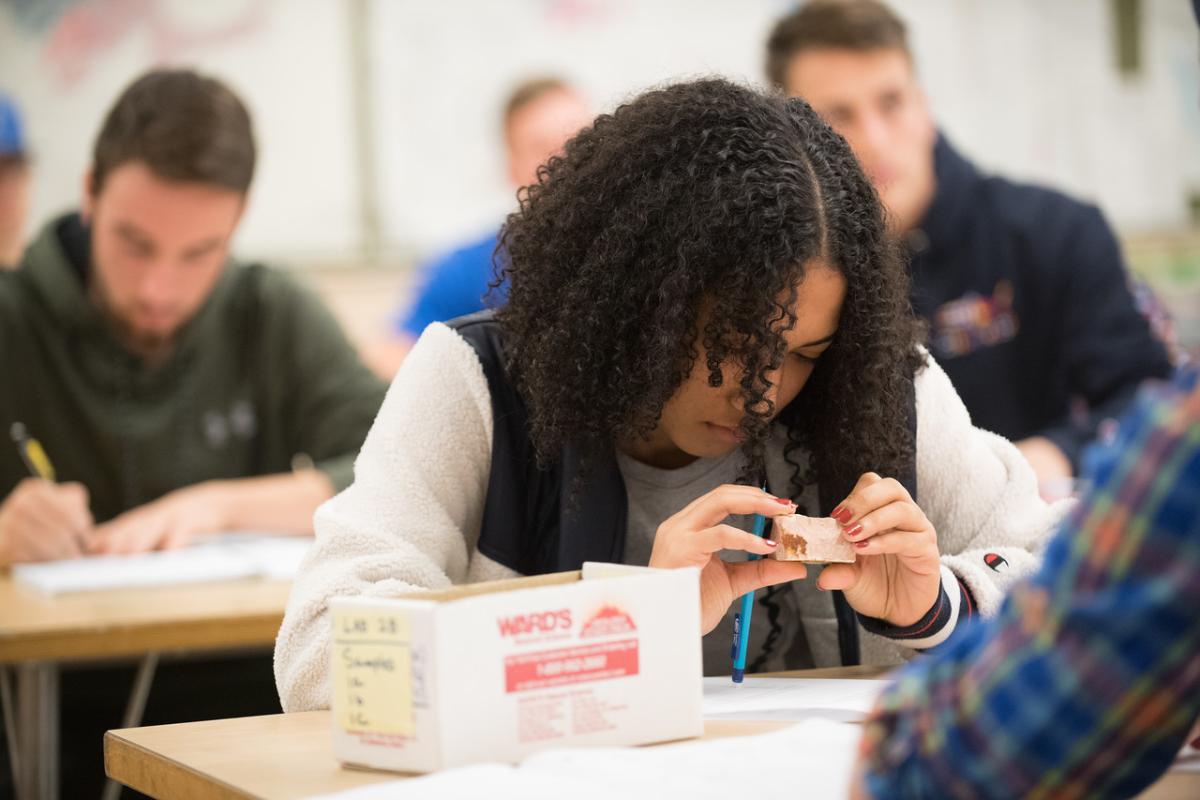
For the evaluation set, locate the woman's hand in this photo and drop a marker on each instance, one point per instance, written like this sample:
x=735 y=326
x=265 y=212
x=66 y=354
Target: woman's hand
x=692 y=538
x=897 y=575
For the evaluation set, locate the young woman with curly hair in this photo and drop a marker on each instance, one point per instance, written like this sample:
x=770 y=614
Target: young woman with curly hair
x=703 y=300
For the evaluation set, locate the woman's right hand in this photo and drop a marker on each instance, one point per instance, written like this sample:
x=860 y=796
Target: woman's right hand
x=694 y=536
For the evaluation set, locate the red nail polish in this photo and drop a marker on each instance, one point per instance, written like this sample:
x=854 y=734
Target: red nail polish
x=853 y=530
x=861 y=545
x=842 y=514
x=783 y=501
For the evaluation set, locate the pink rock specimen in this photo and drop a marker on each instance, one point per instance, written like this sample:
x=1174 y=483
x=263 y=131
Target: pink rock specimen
x=812 y=540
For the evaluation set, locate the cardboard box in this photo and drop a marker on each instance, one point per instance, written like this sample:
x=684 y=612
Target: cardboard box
x=496 y=671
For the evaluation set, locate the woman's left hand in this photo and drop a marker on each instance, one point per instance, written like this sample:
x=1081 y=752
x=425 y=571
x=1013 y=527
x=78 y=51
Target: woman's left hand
x=897 y=574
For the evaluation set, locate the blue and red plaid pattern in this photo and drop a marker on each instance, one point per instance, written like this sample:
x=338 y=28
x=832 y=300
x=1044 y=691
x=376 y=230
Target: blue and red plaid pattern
x=1088 y=680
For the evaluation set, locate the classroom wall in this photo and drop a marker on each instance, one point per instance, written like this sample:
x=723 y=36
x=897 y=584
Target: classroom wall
x=1026 y=87
x=65 y=62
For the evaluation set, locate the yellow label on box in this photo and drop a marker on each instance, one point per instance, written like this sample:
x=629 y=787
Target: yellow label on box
x=372 y=670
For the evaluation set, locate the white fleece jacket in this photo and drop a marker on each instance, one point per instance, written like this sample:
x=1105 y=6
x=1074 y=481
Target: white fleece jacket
x=412 y=517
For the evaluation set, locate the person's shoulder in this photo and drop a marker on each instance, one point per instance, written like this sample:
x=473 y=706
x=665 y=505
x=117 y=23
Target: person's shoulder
x=1037 y=211
x=482 y=333
x=1156 y=433
x=265 y=304
x=930 y=381
x=24 y=296
x=469 y=257
x=1178 y=395
x=450 y=349
x=20 y=299
x=268 y=292
x=466 y=336
x=264 y=280
x=481 y=246
x=12 y=283
x=15 y=295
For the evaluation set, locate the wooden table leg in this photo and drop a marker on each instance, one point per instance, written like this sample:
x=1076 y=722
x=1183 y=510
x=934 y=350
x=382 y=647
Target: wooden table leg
x=134 y=710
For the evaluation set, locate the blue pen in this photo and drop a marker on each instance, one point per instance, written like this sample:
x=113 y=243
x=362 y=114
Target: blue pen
x=741 y=621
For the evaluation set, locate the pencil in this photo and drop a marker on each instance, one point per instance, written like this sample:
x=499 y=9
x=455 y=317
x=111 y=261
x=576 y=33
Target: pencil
x=32 y=453
x=741 y=621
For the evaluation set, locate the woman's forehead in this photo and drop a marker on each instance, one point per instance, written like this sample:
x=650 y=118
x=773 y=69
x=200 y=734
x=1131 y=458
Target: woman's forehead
x=818 y=305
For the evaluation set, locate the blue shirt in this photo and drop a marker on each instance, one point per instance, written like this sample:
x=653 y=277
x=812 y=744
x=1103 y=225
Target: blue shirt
x=453 y=286
x=12 y=134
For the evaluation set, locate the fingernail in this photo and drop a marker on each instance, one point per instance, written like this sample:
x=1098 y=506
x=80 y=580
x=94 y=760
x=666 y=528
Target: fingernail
x=861 y=545
x=853 y=530
x=770 y=543
x=841 y=514
x=783 y=501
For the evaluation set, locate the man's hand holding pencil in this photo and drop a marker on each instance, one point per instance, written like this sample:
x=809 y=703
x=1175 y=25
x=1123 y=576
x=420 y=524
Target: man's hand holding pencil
x=41 y=520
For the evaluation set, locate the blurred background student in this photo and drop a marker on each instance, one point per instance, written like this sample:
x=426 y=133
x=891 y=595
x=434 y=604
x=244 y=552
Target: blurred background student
x=171 y=385
x=1025 y=289
x=540 y=115
x=14 y=183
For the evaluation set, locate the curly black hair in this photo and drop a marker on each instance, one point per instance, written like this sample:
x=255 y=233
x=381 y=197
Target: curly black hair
x=710 y=195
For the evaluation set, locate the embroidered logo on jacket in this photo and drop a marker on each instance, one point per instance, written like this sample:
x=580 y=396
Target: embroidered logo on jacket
x=996 y=561
x=239 y=423
x=974 y=321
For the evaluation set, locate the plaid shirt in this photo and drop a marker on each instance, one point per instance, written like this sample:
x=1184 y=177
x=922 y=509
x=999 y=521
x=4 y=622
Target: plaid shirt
x=1088 y=680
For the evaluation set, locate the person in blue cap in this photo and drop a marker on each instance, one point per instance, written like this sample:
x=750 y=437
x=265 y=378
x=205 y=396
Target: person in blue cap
x=14 y=183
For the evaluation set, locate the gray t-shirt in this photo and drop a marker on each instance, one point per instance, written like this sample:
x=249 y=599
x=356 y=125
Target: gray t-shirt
x=656 y=494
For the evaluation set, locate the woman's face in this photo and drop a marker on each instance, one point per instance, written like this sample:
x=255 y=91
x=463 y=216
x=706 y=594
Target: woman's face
x=701 y=421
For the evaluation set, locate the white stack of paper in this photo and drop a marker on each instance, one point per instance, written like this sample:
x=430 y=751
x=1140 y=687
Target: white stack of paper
x=790 y=699
x=226 y=557
x=818 y=754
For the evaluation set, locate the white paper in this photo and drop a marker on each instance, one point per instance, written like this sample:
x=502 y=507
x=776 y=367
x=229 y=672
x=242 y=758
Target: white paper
x=790 y=699
x=819 y=756
x=217 y=558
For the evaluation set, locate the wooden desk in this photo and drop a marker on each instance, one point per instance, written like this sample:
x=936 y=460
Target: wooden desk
x=38 y=627
x=291 y=755
x=38 y=632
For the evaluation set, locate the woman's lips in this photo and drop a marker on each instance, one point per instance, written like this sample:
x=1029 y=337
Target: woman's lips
x=727 y=432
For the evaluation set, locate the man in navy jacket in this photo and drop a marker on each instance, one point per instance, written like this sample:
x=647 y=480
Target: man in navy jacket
x=1024 y=289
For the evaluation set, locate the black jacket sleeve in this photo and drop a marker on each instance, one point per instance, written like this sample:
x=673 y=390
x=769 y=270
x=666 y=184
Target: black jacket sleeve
x=1107 y=346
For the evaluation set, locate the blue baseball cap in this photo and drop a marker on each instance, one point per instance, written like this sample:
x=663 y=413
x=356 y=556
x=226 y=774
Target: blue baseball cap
x=12 y=135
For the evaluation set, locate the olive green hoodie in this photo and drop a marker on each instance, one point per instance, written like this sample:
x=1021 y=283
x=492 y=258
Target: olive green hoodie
x=261 y=374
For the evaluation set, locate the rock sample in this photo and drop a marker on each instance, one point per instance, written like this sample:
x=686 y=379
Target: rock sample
x=811 y=540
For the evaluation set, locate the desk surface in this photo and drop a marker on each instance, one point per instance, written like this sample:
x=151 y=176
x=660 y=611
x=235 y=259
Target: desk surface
x=277 y=756
x=34 y=626
x=290 y=755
